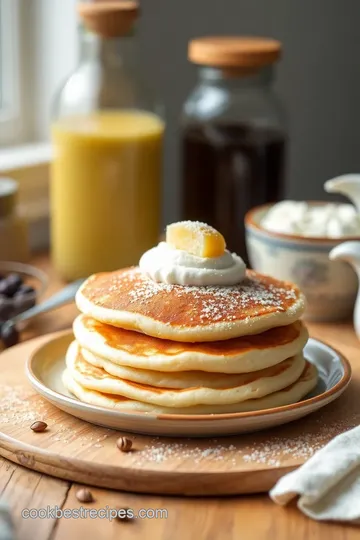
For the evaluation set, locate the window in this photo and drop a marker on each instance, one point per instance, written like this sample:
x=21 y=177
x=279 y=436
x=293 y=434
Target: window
x=38 y=50
x=9 y=72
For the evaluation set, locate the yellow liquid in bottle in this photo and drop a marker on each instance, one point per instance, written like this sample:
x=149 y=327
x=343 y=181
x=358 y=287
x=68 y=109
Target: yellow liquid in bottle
x=105 y=190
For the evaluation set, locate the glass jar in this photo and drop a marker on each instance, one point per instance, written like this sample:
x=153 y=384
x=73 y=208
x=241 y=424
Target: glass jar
x=107 y=136
x=233 y=135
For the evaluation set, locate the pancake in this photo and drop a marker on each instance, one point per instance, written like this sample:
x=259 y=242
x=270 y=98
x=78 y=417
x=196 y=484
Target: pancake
x=129 y=299
x=291 y=394
x=179 y=379
x=243 y=387
x=238 y=355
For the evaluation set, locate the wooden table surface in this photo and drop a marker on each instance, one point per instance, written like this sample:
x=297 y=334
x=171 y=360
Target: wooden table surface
x=233 y=518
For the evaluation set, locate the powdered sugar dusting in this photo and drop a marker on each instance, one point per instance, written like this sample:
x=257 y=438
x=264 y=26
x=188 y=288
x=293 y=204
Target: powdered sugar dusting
x=16 y=406
x=20 y=406
x=270 y=452
x=197 y=227
x=216 y=303
x=161 y=452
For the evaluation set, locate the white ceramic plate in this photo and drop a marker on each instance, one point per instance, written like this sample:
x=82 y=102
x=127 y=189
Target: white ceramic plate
x=44 y=369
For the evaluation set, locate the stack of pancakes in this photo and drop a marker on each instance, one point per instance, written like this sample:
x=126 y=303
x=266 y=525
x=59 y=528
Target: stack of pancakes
x=153 y=347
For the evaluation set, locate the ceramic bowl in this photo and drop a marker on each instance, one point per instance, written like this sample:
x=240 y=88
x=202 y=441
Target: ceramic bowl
x=32 y=276
x=330 y=287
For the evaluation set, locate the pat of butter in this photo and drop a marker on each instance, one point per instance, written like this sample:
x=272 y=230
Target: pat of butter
x=195 y=238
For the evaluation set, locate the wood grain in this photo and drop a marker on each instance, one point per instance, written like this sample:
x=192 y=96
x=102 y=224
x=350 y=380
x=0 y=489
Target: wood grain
x=233 y=518
x=230 y=518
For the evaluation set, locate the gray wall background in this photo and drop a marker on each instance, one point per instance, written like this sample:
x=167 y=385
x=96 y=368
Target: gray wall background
x=318 y=77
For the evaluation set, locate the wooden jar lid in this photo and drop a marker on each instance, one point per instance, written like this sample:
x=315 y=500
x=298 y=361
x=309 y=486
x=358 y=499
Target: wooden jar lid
x=109 y=19
x=238 y=52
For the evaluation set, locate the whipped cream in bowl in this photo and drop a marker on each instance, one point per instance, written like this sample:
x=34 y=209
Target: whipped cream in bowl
x=325 y=220
x=169 y=265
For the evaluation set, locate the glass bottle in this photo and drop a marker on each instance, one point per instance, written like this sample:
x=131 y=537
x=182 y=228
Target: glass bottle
x=233 y=134
x=107 y=136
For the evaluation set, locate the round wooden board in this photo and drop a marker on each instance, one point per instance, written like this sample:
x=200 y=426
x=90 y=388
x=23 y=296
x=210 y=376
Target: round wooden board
x=75 y=450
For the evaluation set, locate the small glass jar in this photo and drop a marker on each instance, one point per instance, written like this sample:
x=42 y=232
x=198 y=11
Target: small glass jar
x=233 y=134
x=107 y=136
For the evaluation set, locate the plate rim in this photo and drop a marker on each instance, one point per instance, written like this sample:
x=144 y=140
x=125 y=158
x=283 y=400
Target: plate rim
x=36 y=383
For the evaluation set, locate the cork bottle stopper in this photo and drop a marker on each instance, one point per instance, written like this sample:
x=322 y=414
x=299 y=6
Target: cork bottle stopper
x=109 y=19
x=234 y=52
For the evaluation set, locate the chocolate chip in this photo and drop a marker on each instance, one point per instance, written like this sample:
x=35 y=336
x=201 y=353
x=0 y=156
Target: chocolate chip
x=84 y=495
x=38 y=426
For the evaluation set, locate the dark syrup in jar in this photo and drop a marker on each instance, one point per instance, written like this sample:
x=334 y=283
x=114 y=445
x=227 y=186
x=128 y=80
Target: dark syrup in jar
x=227 y=170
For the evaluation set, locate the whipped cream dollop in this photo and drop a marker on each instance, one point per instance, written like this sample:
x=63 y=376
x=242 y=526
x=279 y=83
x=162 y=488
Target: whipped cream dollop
x=166 y=264
x=326 y=220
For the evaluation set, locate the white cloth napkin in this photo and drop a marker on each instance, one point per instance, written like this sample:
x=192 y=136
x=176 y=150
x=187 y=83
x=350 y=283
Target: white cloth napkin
x=328 y=484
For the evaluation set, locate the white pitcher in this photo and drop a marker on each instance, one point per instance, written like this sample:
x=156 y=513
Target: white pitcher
x=348 y=185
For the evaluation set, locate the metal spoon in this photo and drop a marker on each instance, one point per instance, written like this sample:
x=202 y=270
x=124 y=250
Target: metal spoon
x=65 y=296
